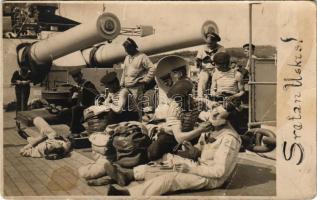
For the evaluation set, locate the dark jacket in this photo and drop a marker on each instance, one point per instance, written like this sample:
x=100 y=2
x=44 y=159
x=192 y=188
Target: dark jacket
x=17 y=77
x=88 y=94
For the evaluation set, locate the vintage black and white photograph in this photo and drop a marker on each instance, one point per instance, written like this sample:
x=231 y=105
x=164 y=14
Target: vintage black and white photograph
x=148 y=98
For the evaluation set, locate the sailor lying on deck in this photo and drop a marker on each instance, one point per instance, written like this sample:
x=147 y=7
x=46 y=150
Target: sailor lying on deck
x=215 y=154
x=49 y=144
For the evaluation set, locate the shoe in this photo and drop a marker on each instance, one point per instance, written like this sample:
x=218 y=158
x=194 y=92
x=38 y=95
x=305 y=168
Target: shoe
x=117 y=191
x=105 y=180
x=23 y=134
x=120 y=175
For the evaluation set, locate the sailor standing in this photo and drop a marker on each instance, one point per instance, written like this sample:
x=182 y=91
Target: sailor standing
x=246 y=51
x=204 y=60
x=138 y=70
x=21 y=80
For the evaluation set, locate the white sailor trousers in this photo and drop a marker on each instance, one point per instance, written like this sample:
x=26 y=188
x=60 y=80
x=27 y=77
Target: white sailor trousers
x=93 y=170
x=170 y=182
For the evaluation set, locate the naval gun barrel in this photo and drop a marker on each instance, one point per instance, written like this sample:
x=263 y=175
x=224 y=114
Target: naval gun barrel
x=108 y=54
x=105 y=55
x=38 y=56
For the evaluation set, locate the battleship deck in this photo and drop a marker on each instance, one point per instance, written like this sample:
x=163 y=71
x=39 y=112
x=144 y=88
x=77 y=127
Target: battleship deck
x=24 y=176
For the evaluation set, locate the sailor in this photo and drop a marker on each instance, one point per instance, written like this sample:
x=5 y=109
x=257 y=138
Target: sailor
x=84 y=94
x=234 y=63
x=181 y=115
x=179 y=73
x=204 y=60
x=226 y=81
x=170 y=69
x=239 y=65
x=48 y=144
x=149 y=104
x=228 y=87
x=207 y=165
x=138 y=70
x=119 y=105
x=124 y=144
x=246 y=53
x=21 y=79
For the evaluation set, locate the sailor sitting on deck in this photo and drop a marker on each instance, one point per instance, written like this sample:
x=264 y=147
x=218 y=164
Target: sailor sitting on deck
x=211 y=163
x=226 y=81
x=228 y=88
x=49 y=144
x=120 y=104
x=170 y=69
x=181 y=115
x=124 y=144
x=84 y=94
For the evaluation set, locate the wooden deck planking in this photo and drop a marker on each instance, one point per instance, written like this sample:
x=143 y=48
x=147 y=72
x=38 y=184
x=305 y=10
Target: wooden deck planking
x=18 y=178
x=12 y=138
x=53 y=185
x=9 y=121
x=32 y=174
x=99 y=189
x=44 y=170
x=10 y=189
x=70 y=172
x=57 y=176
x=64 y=185
x=72 y=166
x=41 y=180
x=34 y=182
x=8 y=139
x=50 y=184
x=81 y=159
x=67 y=169
x=69 y=185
